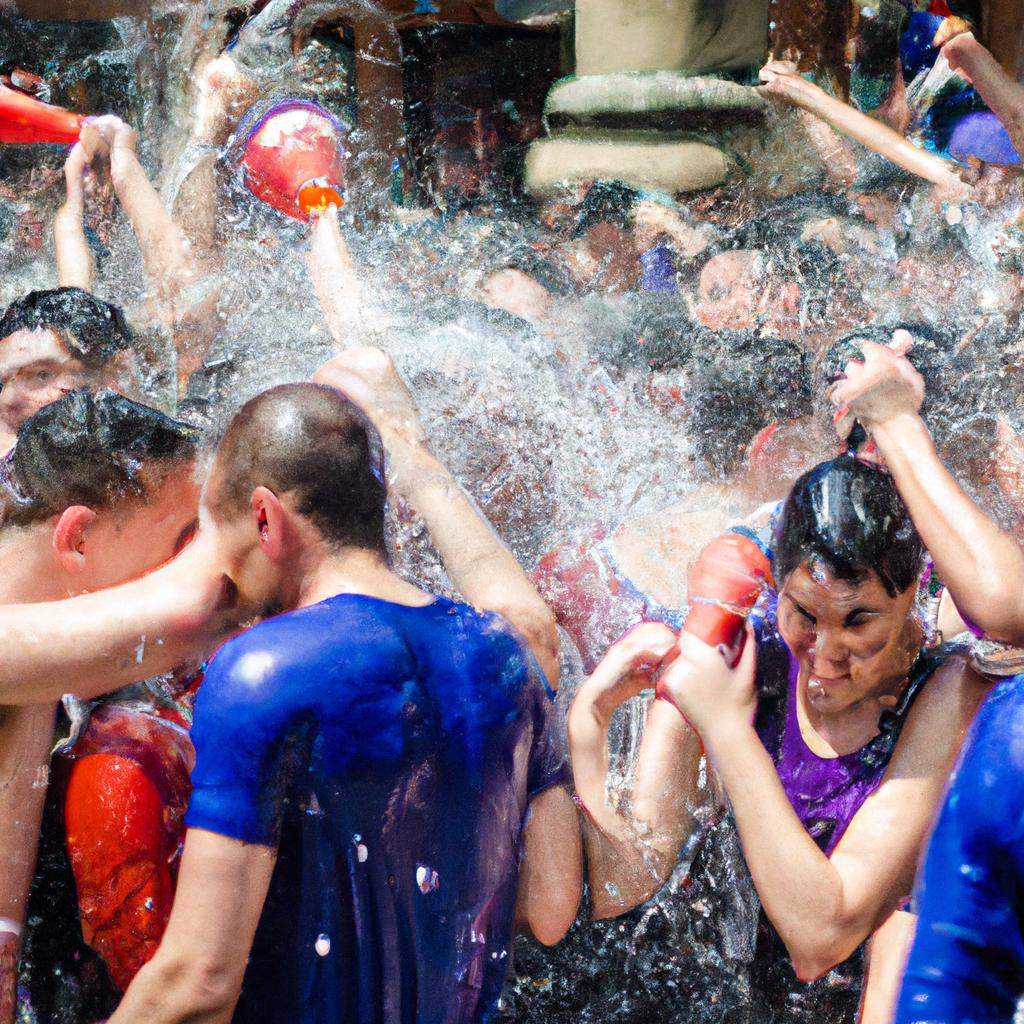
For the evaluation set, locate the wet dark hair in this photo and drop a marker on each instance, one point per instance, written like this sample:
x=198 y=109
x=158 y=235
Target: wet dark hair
x=934 y=356
x=738 y=386
x=96 y=450
x=849 y=517
x=609 y=202
x=308 y=441
x=92 y=330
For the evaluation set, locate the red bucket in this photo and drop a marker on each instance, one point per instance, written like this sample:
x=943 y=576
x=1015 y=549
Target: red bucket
x=294 y=159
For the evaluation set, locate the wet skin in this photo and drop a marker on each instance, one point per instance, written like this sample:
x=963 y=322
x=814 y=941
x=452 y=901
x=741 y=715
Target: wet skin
x=854 y=643
x=35 y=370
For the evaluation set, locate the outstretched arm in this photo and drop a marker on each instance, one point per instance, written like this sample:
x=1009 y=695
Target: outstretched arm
x=196 y=975
x=782 y=80
x=95 y=643
x=981 y=564
x=481 y=568
x=172 y=271
x=75 y=265
x=634 y=843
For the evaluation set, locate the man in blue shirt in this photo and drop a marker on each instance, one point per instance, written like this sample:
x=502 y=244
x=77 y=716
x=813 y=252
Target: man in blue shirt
x=378 y=791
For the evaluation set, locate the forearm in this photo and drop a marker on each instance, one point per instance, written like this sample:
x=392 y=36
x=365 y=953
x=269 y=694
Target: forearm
x=800 y=890
x=479 y=565
x=26 y=736
x=631 y=856
x=982 y=565
x=95 y=643
x=165 y=252
x=873 y=134
x=1003 y=96
x=172 y=993
x=75 y=264
x=351 y=316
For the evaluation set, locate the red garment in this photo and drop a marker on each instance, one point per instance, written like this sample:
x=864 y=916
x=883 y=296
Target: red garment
x=124 y=812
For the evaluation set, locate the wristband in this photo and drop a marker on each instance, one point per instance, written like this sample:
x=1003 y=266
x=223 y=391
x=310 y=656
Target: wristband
x=9 y=925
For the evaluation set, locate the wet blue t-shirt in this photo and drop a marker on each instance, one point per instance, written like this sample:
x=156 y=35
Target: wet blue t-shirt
x=967 y=962
x=389 y=752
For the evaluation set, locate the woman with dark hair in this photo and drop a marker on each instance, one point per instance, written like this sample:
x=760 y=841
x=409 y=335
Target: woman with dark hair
x=851 y=727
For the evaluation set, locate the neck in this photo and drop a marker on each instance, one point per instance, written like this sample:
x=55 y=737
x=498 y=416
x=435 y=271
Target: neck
x=356 y=571
x=27 y=568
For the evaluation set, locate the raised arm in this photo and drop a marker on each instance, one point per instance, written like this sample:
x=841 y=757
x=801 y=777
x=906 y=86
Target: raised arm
x=352 y=317
x=1003 y=96
x=75 y=265
x=196 y=975
x=824 y=907
x=981 y=564
x=479 y=565
x=782 y=80
x=633 y=842
x=176 y=278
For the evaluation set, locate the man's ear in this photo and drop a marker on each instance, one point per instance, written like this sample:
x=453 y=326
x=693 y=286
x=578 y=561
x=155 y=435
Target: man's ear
x=69 y=537
x=270 y=518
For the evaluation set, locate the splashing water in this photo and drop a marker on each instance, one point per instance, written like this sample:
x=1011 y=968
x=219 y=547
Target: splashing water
x=568 y=422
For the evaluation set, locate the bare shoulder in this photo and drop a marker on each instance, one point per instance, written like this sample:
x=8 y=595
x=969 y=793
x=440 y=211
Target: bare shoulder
x=945 y=708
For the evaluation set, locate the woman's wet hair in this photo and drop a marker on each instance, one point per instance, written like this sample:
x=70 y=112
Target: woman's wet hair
x=92 y=330
x=313 y=444
x=93 y=449
x=849 y=518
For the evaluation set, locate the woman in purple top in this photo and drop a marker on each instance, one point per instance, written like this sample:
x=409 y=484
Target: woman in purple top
x=832 y=739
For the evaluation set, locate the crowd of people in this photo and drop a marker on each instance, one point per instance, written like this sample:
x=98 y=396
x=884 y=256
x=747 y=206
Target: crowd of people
x=264 y=757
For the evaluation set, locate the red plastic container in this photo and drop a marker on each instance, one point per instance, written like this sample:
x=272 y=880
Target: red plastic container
x=23 y=118
x=725 y=583
x=294 y=158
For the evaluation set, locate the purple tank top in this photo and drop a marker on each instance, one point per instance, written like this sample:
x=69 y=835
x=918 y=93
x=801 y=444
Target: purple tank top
x=826 y=792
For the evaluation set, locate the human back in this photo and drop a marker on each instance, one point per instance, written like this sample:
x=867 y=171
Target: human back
x=380 y=746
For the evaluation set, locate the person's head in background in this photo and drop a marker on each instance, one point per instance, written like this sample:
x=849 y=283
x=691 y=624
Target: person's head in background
x=98 y=490
x=743 y=395
x=54 y=341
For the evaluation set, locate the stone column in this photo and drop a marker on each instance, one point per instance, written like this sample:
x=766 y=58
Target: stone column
x=647 y=105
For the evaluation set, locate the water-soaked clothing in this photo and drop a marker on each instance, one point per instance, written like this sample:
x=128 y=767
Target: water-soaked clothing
x=125 y=797
x=826 y=794
x=967 y=962
x=389 y=752
x=594 y=600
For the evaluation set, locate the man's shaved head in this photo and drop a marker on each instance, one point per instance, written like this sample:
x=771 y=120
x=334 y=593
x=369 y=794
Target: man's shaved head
x=310 y=443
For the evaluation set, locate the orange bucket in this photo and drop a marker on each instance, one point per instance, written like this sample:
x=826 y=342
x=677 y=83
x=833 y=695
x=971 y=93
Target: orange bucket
x=294 y=158
x=23 y=118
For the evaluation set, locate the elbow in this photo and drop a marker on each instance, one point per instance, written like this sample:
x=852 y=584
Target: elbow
x=193 y=987
x=815 y=956
x=551 y=929
x=808 y=967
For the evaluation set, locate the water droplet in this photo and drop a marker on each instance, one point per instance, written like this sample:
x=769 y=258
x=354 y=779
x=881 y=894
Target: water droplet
x=322 y=944
x=149 y=903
